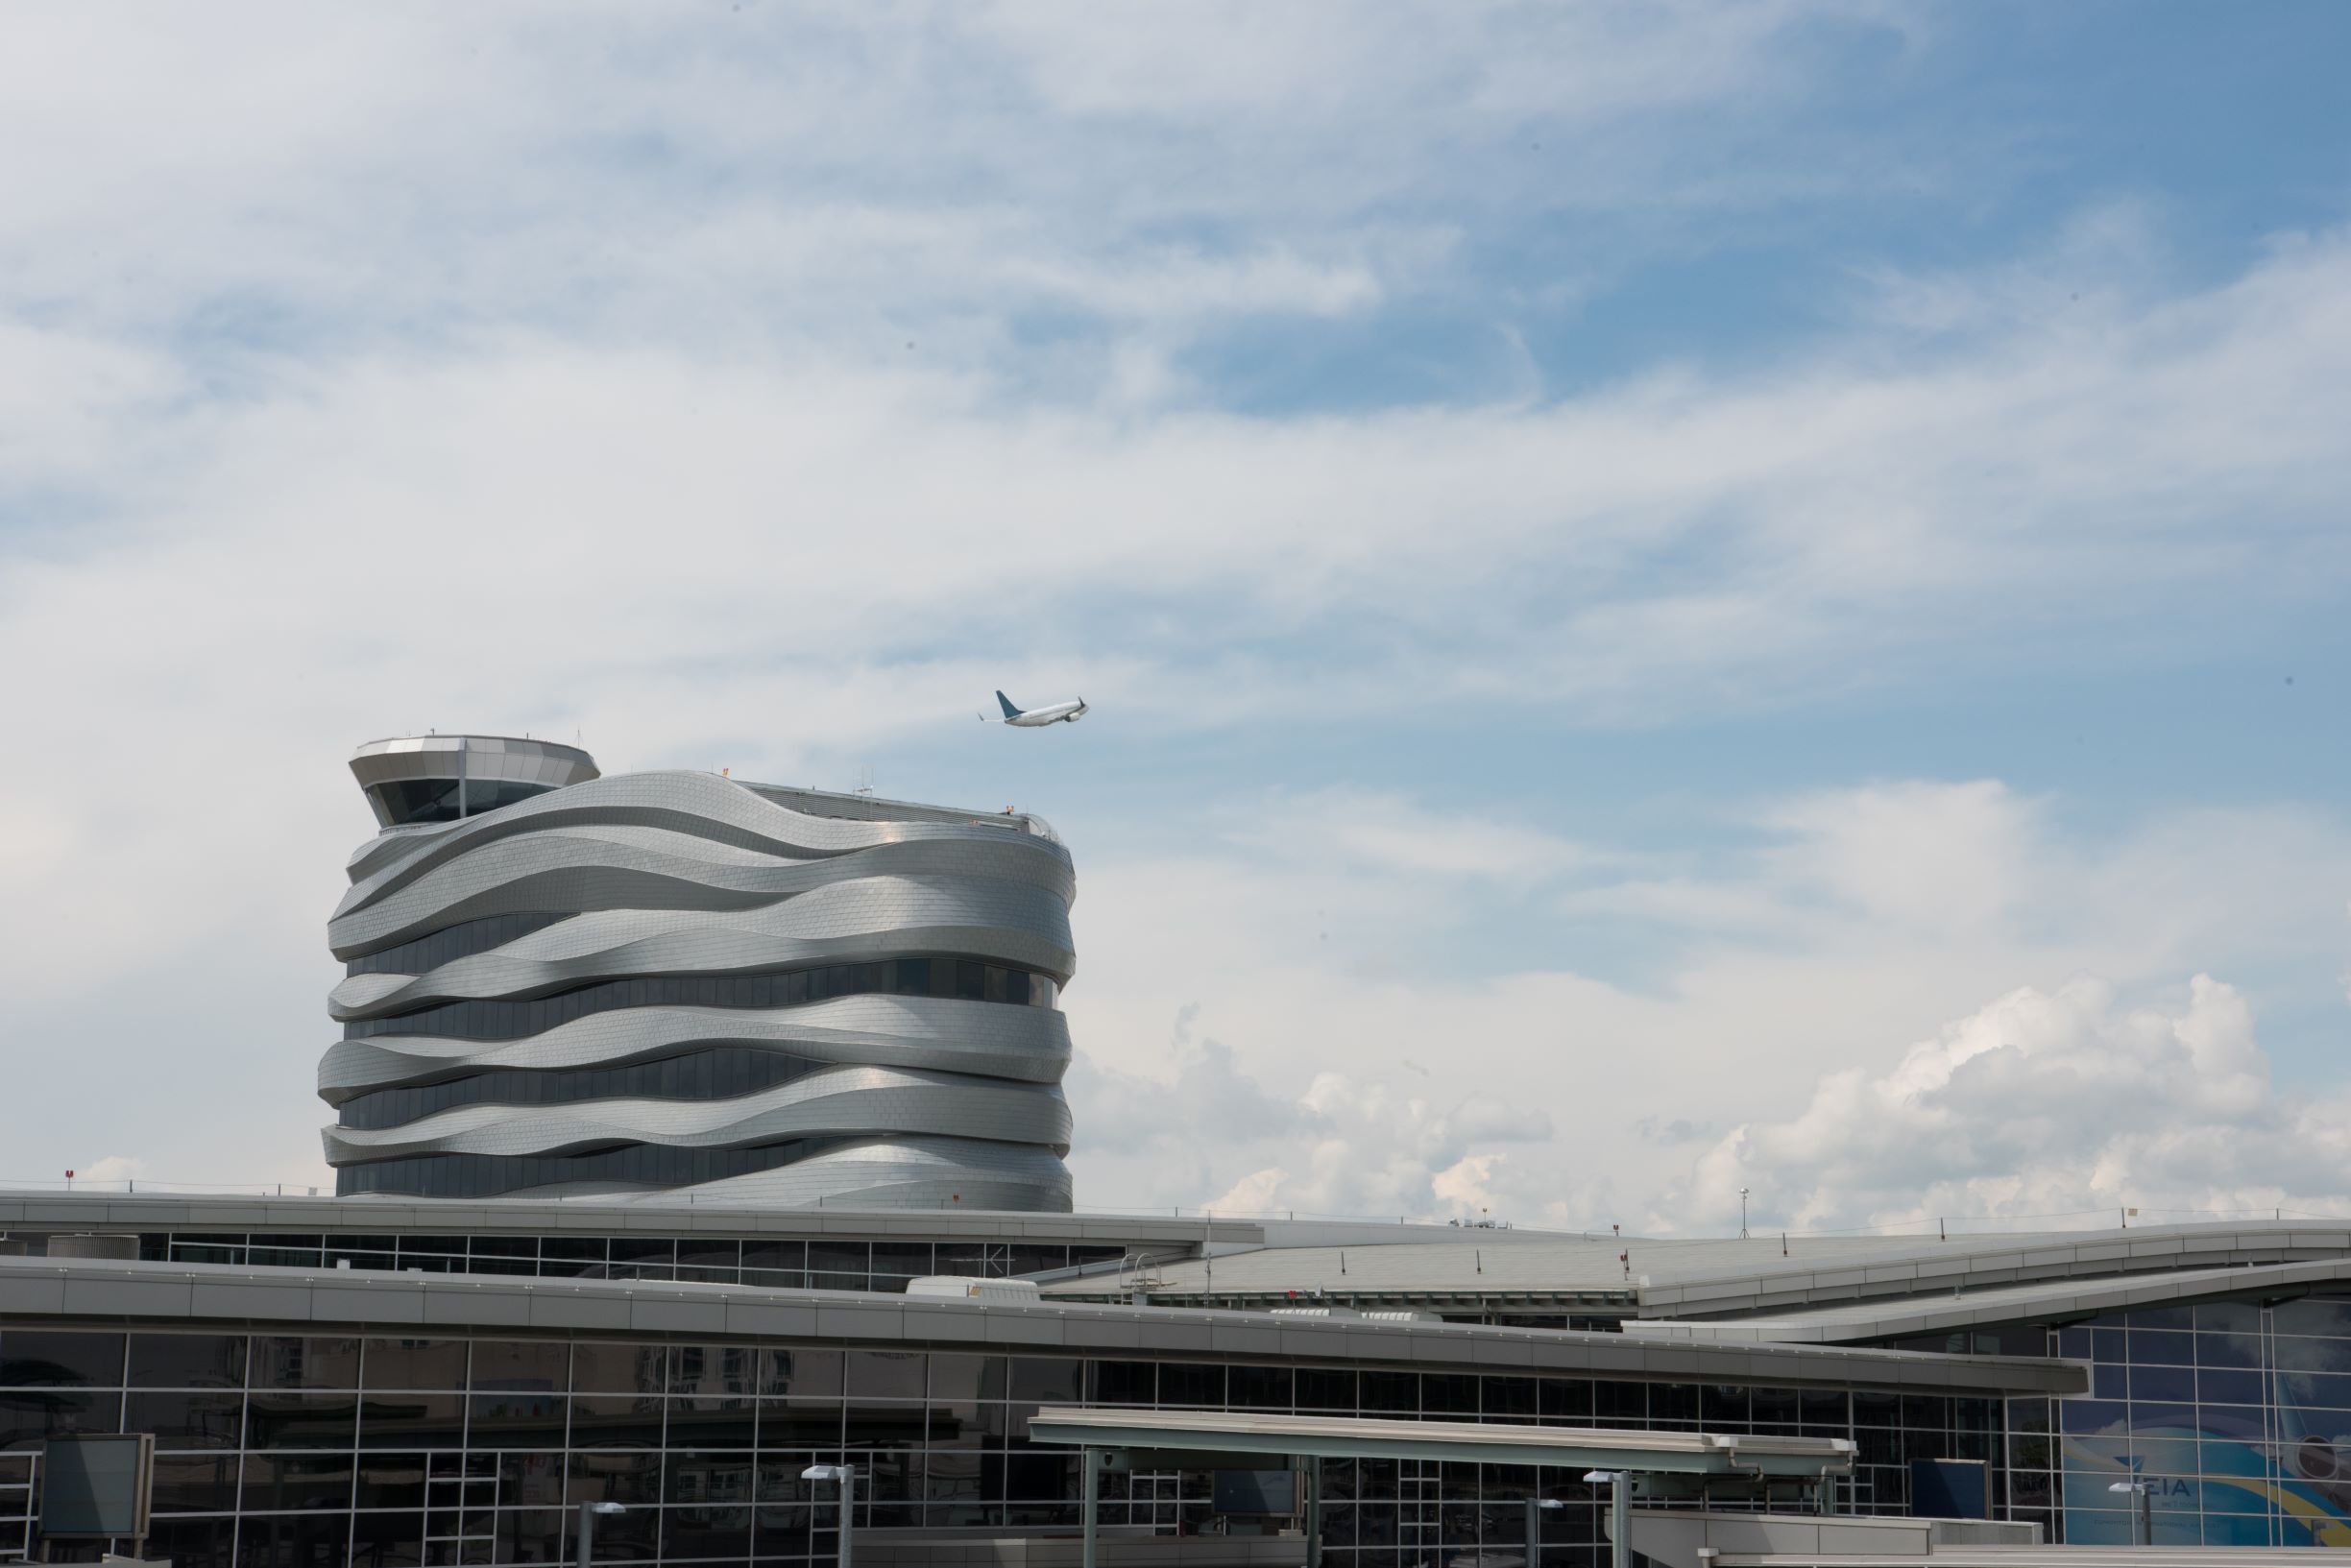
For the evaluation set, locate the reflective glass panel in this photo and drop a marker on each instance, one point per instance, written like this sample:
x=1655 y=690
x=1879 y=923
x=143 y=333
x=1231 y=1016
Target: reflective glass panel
x=59 y=1358
x=187 y=1361
x=284 y=1362
x=413 y=1363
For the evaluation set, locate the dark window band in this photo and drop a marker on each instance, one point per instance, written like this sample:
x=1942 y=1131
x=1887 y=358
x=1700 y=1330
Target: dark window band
x=721 y=1072
x=487 y=1175
x=451 y=942
x=404 y=802
x=962 y=978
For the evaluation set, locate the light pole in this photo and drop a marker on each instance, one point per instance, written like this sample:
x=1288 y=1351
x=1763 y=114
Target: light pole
x=846 y=1474
x=2143 y=1510
x=1536 y=1506
x=587 y=1513
x=1620 y=1484
x=1742 y=1214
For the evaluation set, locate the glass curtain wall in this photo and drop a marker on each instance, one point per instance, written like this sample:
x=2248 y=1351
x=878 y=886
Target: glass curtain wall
x=2234 y=1416
x=281 y=1450
x=2230 y=1414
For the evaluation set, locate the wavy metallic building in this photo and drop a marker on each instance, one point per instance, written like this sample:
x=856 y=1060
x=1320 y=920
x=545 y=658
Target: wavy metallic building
x=664 y=984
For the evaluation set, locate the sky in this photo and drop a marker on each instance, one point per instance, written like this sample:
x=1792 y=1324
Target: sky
x=1675 y=598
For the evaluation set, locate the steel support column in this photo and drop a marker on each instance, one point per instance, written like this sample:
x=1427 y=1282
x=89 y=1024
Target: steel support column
x=1091 y=1463
x=1314 y=1512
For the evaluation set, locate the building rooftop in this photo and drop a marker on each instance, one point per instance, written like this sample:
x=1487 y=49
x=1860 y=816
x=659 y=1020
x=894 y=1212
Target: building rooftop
x=1905 y=1317
x=35 y=1289
x=232 y=1212
x=1705 y=1278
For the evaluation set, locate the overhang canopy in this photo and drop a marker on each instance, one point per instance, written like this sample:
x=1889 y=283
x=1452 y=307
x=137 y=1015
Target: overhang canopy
x=2052 y=1301
x=1474 y=1442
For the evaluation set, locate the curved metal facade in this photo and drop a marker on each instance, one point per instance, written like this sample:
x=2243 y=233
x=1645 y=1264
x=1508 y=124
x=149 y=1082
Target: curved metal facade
x=670 y=983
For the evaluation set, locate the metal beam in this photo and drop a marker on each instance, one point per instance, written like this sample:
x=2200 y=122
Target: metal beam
x=1308 y=1436
x=1144 y=1461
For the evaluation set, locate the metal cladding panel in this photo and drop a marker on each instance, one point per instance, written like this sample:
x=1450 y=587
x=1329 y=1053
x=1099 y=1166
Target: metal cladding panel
x=1027 y=1044
x=908 y=1100
x=846 y=1096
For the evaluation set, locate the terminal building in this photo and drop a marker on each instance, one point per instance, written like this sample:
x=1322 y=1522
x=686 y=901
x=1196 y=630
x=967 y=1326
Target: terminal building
x=372 y=1380
x=553 y=1281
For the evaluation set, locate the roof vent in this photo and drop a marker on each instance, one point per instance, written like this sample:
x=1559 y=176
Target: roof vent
x=973 y=1288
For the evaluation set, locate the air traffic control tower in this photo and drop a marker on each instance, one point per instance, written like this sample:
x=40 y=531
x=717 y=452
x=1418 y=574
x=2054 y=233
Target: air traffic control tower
x=676 y=985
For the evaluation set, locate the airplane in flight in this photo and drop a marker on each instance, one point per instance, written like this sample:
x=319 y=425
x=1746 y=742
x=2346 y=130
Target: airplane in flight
x=1036 y=718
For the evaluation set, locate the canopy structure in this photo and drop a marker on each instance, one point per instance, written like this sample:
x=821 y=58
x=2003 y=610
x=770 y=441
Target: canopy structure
x=1624 y=1455
x=1474 y=1442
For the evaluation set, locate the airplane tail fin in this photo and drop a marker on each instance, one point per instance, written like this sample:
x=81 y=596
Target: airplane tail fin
x=1006 y=703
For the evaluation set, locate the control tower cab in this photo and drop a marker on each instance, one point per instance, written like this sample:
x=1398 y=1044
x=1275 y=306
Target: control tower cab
x=445 y=778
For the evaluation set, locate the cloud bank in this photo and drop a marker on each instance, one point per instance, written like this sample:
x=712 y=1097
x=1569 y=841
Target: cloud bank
x=2049 y=1103
x=1766 y=1050
x=756 y=386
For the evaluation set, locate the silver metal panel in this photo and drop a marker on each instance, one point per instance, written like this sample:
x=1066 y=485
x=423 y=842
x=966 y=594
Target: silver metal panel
x=953 y=1104
x=1694 y=1453
x=1886 y=1318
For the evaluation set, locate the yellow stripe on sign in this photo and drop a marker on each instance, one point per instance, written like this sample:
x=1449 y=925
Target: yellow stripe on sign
x=2326 y=1527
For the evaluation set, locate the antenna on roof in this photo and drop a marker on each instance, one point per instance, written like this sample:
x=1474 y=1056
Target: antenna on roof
x=864 y=783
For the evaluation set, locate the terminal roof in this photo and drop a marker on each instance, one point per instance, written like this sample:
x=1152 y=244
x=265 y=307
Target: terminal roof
x=192 y=1295
x=1715 y=1277
x=1904 y=1317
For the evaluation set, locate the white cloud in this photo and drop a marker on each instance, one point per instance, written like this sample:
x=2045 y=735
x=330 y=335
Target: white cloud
x=2045 y=1103
x=1349 y=831
x=723 y=168
x=1855 y=918
x=1921 y=854
x=1350 y=1142
x=2102 y=265
x=1513 y=560
x=1129 y=1113
x=1351 y=1145
x=67 y=396
x=550 y=371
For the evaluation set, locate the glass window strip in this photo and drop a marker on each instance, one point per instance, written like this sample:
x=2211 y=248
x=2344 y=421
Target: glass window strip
x=515 y=1020
x=717 y=1073
x=648 y=1164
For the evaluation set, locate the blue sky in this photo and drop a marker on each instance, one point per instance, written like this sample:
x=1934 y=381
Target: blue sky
x=1666 y=590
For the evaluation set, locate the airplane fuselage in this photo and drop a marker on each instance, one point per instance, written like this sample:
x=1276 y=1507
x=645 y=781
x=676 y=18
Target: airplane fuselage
x=1060 y=713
